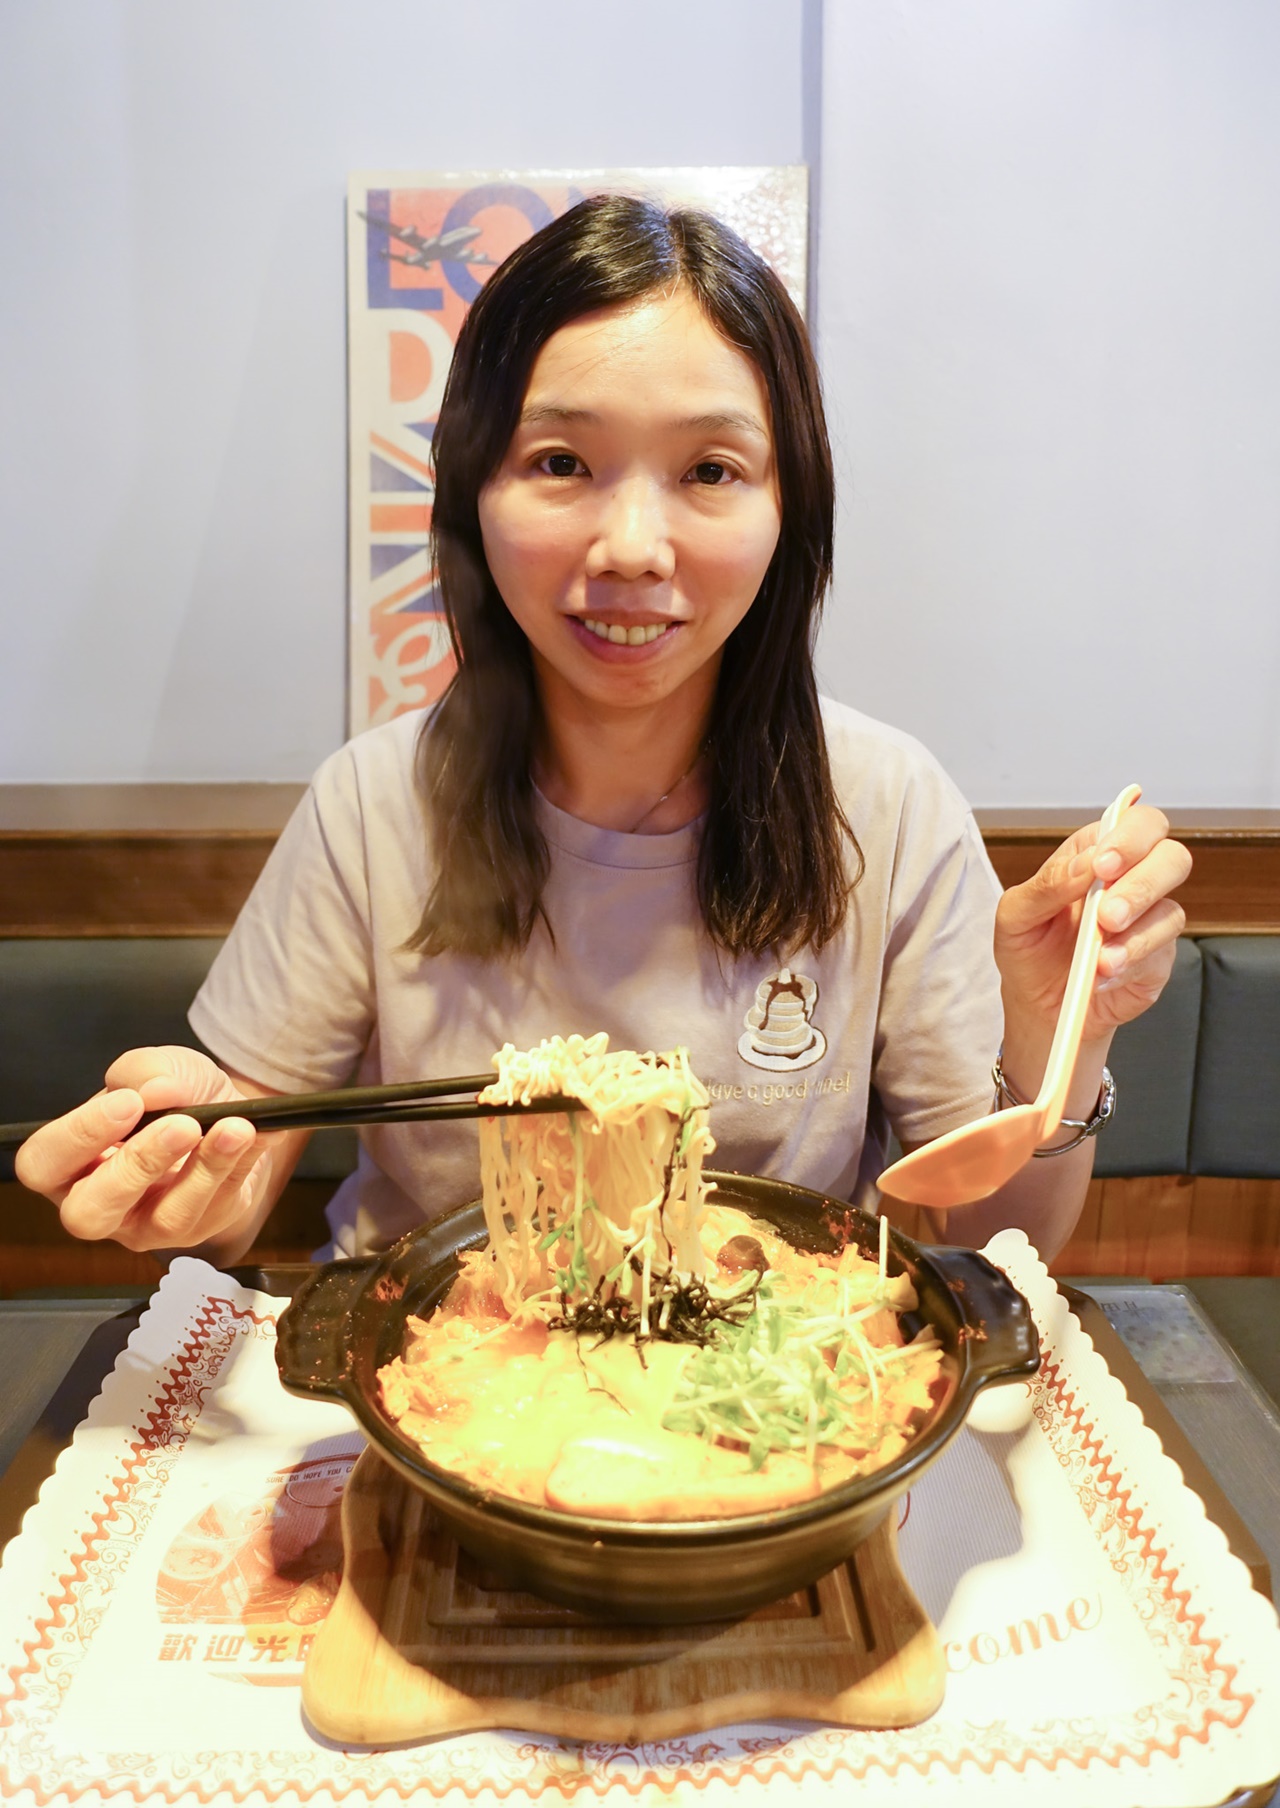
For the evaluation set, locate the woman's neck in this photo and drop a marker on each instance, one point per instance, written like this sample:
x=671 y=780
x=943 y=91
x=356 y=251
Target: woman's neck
x=638 y=772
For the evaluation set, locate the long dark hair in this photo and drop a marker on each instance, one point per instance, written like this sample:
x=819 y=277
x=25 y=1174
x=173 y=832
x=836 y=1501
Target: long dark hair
x=772 y=871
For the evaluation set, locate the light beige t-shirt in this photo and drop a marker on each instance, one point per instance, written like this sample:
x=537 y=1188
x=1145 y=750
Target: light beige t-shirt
x=808 y=1061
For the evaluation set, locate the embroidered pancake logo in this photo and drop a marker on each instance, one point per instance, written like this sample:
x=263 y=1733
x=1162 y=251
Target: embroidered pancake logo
x=781 y=1034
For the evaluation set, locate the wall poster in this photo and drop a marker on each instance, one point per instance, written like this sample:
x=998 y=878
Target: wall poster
x=419 y=248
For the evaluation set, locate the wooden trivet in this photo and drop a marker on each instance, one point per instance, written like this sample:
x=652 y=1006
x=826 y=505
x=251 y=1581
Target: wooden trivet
x=422 y=1642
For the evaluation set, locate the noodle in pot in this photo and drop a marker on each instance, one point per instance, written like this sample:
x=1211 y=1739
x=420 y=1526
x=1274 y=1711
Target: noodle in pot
x=626 y=1349
x=602 y=1197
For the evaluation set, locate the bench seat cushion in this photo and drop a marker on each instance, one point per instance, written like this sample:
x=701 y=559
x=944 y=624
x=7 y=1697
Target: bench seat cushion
x=70 y=1006
x=1153 y=1060
x=1235 y=1130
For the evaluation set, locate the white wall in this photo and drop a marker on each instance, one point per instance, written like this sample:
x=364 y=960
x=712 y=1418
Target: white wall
x=1048 y=296
x=172 y=412
x=1049 y=300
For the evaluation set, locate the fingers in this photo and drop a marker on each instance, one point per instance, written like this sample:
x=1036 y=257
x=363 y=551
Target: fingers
x=54 y=1157
x=1137 y=832
x=57 y=1156
x=1141 y=884
x=139 y=1065
x=212 y=1191
x=1061 y=882
x=171 y=1075
x=1148 y=947
x=100 y=1200
x=168 y=1187
x=1137 y=862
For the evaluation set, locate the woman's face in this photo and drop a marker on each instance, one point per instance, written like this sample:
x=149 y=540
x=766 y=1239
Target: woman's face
x=636 y=511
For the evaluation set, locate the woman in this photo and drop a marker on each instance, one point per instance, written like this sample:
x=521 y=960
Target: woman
x=630 y=811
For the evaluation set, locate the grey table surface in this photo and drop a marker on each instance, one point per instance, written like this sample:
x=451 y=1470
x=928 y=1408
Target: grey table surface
x=39 y=1341
x=1210 y=1348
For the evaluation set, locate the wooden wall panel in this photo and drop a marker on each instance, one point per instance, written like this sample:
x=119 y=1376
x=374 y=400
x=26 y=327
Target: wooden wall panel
x=128 y=860
x=36 y=1253
x=133 y=860
x=1164 y=1227
x=180 y=859
x=1168 y=1226
x=181 y=885
x=1235 y=1227
x=1234 y=887
x=1142 y=1226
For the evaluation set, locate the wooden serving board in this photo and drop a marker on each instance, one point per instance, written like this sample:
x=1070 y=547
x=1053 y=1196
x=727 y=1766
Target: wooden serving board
x=421 y=1642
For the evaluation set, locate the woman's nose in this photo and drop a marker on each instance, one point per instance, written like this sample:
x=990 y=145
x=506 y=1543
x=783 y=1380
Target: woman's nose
x=632 y=537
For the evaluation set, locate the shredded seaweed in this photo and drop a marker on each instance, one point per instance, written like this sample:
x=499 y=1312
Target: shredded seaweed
x=682 y=1309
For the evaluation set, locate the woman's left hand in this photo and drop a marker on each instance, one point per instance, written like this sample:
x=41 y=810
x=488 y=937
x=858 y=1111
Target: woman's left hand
x=1036 y=923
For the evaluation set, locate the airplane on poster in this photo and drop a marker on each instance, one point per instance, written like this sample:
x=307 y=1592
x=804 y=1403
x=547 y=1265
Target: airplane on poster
x=453 y=246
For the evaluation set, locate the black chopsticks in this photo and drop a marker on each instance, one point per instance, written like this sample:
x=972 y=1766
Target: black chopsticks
x=416 y=1102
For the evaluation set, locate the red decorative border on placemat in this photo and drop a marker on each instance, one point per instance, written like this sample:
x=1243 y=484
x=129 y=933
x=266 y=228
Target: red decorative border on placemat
x=165 y=1428
x=697 y=1763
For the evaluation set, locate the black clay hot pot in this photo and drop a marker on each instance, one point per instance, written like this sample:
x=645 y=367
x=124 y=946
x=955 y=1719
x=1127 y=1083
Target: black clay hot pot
x=348 y=1319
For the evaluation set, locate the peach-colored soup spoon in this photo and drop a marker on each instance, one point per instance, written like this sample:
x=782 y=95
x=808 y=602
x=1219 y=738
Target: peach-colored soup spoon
x=971 y=1162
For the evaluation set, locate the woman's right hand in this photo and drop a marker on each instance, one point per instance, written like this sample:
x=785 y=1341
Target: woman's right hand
x=169 y=1187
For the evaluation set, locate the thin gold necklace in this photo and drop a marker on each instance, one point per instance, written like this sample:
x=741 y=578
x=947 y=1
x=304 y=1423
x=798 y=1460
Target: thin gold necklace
x=658 y=802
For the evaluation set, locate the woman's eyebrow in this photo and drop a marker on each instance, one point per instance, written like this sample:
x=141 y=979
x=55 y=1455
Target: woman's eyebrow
x=550 y=412
x=718 y=421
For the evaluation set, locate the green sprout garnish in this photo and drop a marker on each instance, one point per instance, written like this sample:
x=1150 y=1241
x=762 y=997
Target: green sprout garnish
x=788 y=1378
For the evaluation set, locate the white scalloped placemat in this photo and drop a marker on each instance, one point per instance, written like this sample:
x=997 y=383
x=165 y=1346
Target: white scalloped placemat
x=156 y=1609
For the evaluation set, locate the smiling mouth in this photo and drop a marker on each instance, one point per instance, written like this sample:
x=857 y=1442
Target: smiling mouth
x=638 y=636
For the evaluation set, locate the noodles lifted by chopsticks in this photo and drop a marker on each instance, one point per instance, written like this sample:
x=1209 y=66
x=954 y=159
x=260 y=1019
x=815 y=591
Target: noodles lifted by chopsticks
x=606 y=1200
x=627 y=1347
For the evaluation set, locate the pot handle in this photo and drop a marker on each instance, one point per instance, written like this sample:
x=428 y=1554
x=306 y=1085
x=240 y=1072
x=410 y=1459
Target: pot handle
x=312 y=1348
x=1003 y=1341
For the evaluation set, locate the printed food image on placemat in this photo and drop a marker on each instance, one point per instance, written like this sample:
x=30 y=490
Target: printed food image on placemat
x=266 y=1564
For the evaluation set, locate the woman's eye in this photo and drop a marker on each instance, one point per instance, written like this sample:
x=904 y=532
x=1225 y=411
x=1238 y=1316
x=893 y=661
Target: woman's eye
x=710 y=471
x=561 y=464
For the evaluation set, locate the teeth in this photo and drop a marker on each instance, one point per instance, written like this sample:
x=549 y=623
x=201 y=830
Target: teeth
x=618 y=636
